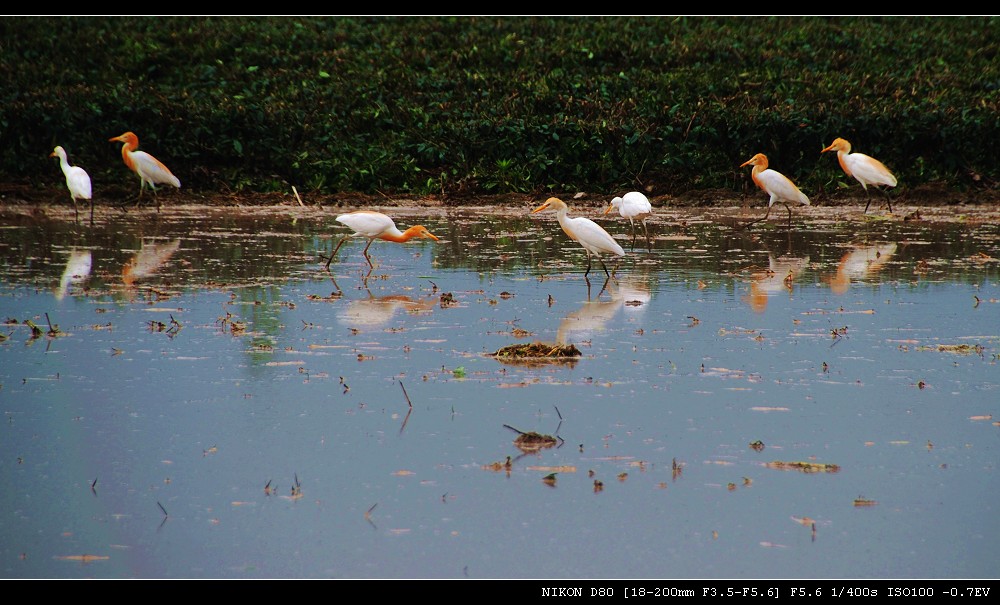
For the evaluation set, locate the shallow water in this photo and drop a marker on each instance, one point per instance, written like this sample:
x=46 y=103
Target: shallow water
x=214 y=404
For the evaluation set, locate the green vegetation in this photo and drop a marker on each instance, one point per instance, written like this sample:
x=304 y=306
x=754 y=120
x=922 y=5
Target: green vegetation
x=458 y=106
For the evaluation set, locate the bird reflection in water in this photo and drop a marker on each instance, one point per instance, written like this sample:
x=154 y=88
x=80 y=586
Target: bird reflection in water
x=861 y=262
x=780 y=276
x=77 y=271
x=580 y=326
x=377 y=311
x=148 y=260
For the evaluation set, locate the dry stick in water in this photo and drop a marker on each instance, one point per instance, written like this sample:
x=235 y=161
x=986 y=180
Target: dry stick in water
x=404 y=394
x=163 y=509
x=296 y=192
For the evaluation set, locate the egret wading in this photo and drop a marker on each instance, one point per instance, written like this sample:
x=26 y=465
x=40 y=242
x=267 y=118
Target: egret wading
x=781 y=189
x=635 y=207
x=866 y=169
x=149 y=169
x=77 y=180
x=594 y=239
x=375 y=225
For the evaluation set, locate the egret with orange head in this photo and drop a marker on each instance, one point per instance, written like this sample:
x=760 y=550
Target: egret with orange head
x=781 y=189
x=375 y=225
x=866 y=169
x=594 y=239
x=149 y=169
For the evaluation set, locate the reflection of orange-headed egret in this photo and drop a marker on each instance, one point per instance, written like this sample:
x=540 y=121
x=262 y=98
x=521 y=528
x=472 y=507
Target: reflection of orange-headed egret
x=147 y=260
x=77 y=180
x=859 y=263
x=778 y=186
x=77 y=271
x=780 y=275
x=866 y=169
x=375 y=225
x=373 y=311
x=635 y=207
x=594 y=239
x=149 y=169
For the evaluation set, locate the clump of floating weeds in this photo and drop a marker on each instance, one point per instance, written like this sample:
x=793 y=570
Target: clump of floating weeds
x=537 y=350
x=531 y=441
x=805 y=467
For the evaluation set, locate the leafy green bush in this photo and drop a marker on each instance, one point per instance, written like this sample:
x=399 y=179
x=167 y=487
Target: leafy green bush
x=473 y=105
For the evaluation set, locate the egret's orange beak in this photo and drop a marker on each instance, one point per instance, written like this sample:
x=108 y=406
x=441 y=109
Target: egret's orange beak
x=830 y=148
x=540 y=208
x=117 y=138
x=746 y=163
x=610 y=207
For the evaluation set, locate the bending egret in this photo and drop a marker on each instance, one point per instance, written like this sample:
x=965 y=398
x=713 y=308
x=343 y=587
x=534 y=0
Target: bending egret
x=375 y=225
x=866 y=169
x=778 y=186
x=77 y=180
x=149 y=169
x=633 y=206
x=585 y=232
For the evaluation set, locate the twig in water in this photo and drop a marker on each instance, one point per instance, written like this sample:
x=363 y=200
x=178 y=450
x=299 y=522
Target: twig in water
x=408 y=402
x=163 y=509
x=296 y=192
x=557 y=412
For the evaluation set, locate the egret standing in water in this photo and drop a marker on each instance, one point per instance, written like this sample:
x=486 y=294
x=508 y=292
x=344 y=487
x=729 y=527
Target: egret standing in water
x=375 y=225
x=149 y=169
x=778 y=186
x=77 y=180
x=635 y=207
x=866 y=169
x=594 y=239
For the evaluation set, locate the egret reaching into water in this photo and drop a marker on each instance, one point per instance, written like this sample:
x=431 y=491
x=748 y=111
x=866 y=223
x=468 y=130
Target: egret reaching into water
x=778 y=186
x=594 y=239
x=866 y=169
x=77 y=180
x=149 y=169
x=375 y=225
x=635 y=207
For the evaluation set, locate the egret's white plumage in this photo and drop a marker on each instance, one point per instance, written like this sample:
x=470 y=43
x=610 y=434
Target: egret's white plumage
x=594 y=239
x=859 y=263
x=778 y=186
x=634 y=206
x=77 y=180
x=866 y=169
x=375 y=225
x=149 y=169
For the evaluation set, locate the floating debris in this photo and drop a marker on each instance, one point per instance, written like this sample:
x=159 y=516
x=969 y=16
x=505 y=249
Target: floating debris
x=82 y=558
x=499 y=466
x=532 y=441
x=757 y=446
x=538 y=352
x=962 y=349
x=805 y=467
x=864 y=502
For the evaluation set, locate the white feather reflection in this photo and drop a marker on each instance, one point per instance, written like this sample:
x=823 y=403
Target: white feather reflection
x=860 y=263
x=76 y=272
x=373 y=312
x=592 y=317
